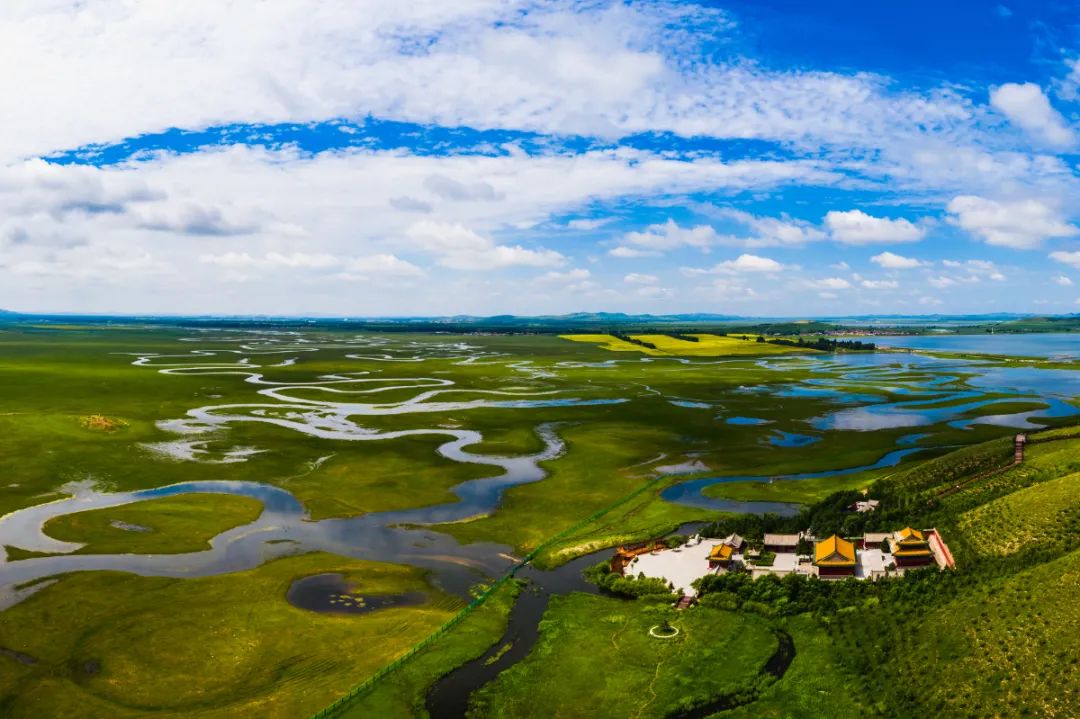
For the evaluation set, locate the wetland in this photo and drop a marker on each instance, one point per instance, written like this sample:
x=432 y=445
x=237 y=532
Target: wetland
x=343 y=483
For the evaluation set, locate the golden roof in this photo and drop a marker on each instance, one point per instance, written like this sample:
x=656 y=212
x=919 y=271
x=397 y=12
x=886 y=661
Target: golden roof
x=913 y=552
x=907 y=534
x=834 y=552
x=721 y=553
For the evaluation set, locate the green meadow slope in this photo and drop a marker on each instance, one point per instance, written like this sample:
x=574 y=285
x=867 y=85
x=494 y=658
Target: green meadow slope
x=1002 y=639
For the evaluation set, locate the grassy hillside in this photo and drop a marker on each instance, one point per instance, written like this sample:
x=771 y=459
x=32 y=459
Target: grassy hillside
x=1042 y=514
x=1002 y=637
x=1007 y=648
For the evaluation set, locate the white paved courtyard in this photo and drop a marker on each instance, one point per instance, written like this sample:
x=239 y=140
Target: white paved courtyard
x=871 y=564
x=680 y=566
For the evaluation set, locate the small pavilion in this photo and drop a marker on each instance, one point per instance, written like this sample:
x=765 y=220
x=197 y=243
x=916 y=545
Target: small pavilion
x=721 y=555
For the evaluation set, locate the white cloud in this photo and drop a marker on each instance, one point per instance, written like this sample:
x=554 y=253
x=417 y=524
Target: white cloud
x=599 y=69
x=631 y=253
x=1029 y=109
x=1063 y=281
x=855 y=227
x=731 y=290
x=896 y=262
x=983 y=268
x=302 y=260
x=930 y=301
x=191 y=219
x=744 y=263
x=880 y=284
x=653 y=292
x=1067 y=258
x=574 y=281
x=967 y=272
x=1020 y=224
x=230 y=259
x=771 y=231
x=830 y=283
x=574 y=275
x=380 y=266
x=635 y=278
x=589 y=223
x=606 y=69
x=460 y=248
x=669 y=236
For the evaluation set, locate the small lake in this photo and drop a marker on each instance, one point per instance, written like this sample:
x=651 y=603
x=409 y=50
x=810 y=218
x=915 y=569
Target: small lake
x=1025 y=345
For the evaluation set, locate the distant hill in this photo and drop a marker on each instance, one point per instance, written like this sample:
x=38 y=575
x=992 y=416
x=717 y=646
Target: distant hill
x=603 y=322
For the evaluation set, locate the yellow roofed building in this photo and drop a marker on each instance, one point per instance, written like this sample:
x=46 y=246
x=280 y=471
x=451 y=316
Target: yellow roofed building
x=721 y=555
x=910 y=548
x=834 y=557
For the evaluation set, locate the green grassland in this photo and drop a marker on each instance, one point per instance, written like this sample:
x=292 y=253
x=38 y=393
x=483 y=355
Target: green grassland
x=112 y=644
x=597 y=659
x=402 y=693
x=1042 y=513
x=120 y=645
x=817 y=684
x=1000 y=638
x=169 y=525
x=1007 y=648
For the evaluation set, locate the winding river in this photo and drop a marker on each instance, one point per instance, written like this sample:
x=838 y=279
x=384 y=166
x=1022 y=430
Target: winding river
x=329 y=406
x=931 y=391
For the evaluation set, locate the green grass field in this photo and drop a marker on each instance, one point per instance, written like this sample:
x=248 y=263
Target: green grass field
x=596 y=658
x=111 y=644
x=1040 y=514
x=76 y=412
x=1007 y=648
x=170 y=525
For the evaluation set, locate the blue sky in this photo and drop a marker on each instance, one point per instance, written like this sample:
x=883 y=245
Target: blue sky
x=770 y=158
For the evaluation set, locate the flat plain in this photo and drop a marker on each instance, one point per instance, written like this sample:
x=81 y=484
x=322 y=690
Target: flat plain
x=166 y=488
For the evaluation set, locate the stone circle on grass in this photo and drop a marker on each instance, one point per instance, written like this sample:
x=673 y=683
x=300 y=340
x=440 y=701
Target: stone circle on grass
x=659 y=632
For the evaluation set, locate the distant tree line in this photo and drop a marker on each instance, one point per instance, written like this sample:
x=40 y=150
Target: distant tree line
x=633 y=340
x=825 y=344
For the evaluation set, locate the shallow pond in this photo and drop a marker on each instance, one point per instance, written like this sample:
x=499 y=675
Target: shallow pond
x=331 y=594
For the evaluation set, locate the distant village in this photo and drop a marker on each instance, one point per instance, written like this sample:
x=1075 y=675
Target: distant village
x=874 y=556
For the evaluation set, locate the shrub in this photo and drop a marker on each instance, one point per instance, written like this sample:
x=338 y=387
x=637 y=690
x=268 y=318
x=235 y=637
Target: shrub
x=675 y=540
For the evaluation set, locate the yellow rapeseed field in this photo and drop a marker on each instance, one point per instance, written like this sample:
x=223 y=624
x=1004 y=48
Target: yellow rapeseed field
x=707 y=345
